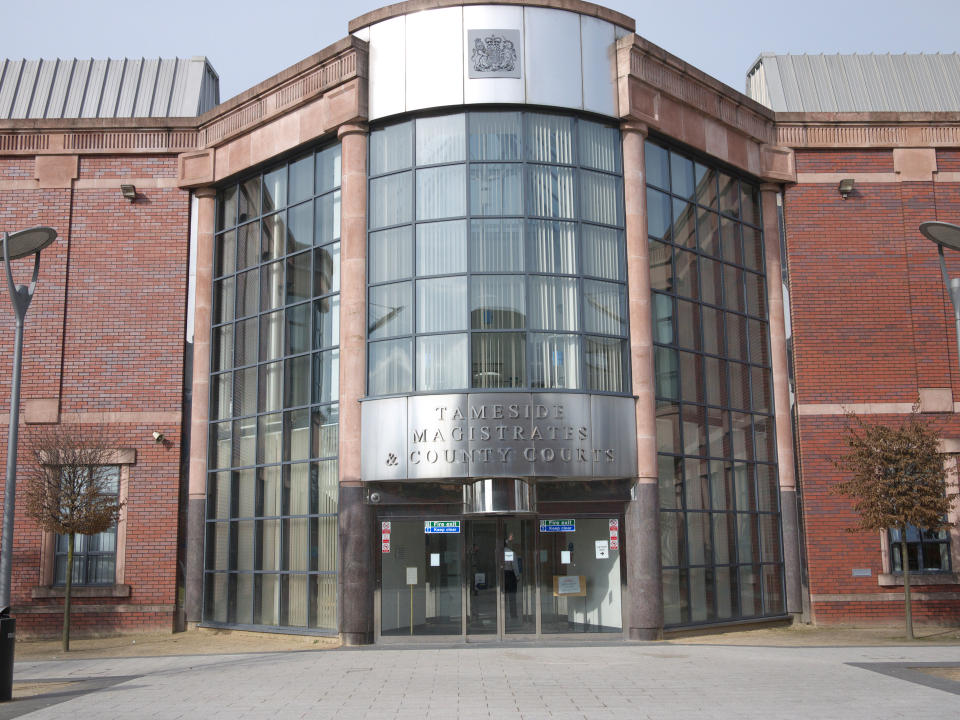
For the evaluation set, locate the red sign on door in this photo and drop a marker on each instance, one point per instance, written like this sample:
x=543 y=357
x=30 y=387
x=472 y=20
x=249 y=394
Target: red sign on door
x=385 y=537
x=614 y=534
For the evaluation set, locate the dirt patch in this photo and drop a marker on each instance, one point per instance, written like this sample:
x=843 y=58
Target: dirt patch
x=945 y=673
x=203 y=641
x=23 y=690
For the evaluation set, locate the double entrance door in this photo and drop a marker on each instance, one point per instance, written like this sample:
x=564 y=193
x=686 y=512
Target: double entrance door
x=492 y=578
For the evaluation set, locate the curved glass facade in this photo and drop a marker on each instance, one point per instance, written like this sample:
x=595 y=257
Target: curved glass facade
x=719 y=492
x=271 y=541
x=496 y=255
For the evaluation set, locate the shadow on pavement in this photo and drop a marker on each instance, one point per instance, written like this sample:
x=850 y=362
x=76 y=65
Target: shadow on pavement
x=69 y=688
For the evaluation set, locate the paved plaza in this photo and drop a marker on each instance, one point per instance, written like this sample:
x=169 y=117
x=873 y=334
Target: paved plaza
x=635 y=681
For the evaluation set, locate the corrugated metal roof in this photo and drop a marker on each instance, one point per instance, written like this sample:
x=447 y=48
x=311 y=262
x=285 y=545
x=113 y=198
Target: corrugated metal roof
x=127 y=87
x=856 y=83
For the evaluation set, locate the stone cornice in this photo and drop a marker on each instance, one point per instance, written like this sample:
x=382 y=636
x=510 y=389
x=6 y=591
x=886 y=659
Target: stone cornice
x=90 y=138
x=869 y=132
x=671 y=76
x=308 y=79
x=412 y=6
x=341 y=62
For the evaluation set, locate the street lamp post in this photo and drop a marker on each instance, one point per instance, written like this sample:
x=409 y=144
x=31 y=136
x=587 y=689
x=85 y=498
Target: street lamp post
x=946 y=235
x=18 y=245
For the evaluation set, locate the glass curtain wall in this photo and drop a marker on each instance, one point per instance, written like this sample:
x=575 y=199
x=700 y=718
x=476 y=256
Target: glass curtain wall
x=271 y=543
x=496 y=255
x=719 y=492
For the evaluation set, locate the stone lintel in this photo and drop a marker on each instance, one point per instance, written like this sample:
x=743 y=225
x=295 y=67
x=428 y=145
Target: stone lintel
x=56 y=171
x=39 y=411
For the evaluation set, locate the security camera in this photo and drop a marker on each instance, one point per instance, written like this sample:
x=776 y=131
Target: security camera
x=374 y=497
x=158 y=436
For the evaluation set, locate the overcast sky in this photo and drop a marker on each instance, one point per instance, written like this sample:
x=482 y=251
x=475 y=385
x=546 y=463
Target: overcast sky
x=247 y=42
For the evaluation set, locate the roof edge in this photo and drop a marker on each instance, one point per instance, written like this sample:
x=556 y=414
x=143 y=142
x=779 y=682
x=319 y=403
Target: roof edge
x=411 y=6
x=283 y=76
x=668 y=58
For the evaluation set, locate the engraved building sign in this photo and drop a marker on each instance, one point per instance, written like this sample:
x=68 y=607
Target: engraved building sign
x=471 y=435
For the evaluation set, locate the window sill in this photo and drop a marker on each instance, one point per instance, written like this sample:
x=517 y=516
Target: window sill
x=78 y=591
x=918 y=578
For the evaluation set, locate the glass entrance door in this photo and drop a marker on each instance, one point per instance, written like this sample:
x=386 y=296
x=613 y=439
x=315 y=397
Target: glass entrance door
x=491 y=578
x=502 y=573
x=420 y=578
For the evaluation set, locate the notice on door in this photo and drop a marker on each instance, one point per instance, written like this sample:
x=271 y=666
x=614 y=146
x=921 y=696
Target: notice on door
x=432 y=527
x=434 y=559
x=569 y=585
x=614 y=534
x=603 y=549
x=385 y=537
x=558 y=525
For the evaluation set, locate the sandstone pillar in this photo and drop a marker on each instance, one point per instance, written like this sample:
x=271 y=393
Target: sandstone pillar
x=200 y=406
x=355 y=520
x=781 y=400
x=642 y=532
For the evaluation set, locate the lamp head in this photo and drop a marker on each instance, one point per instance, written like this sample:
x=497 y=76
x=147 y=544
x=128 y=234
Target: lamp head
x=27 y=242
x=942 y=233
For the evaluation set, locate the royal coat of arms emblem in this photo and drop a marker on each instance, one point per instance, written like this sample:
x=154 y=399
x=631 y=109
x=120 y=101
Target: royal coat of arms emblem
x=494 y=53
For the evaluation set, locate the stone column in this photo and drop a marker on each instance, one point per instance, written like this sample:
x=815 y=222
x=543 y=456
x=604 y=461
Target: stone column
x=781 y=400
x=642 y=531
x=355 y=521
x=200 y=406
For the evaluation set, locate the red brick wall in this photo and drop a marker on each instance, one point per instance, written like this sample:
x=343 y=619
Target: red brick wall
x=849 y=161
x=871 y=323
x=105 y=334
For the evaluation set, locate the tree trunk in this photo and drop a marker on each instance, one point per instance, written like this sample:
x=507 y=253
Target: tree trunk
x=66 y=594
x=905 y=564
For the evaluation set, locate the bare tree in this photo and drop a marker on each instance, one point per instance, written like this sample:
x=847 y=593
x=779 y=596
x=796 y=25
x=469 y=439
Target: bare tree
x=897 y=479
x=67 y=491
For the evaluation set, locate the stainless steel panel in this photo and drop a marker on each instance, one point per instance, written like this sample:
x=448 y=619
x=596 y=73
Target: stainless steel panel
x=492 y=90
x=599 y=58
x=388 y=67
x=500 y=432
x=28 y=77
x=614 y=424
x=383 y=439
x=178 y=89
x=127 y=90
x=111 y=89
x=165 y=74
x=552 y=57
x=561 y=435
x=434 y=64
x=94 y=91
x=59 y=89
x=9 y=77
x=41 y=92
x=145 y=88
x=498 y=435
x=437 y=443
x=499 y=495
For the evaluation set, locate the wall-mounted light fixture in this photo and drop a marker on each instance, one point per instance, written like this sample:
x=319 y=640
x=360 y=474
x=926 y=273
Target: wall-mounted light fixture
x=845 y=187
x=129 y=191
x=158 y=437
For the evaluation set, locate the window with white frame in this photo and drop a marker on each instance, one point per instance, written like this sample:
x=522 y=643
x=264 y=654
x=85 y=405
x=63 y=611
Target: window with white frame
x=94 y=556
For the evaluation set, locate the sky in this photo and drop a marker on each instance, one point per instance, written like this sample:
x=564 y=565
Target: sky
x=247 y=42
